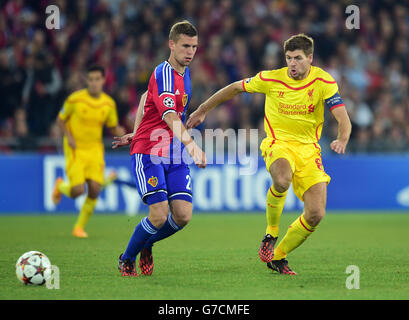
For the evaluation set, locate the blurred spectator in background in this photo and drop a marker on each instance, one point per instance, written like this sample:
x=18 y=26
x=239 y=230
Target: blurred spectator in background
x=40 y=67
x=42 y=84
x=11 y=84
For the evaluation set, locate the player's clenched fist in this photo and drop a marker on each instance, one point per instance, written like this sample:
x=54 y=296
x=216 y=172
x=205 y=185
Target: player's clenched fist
x=338 y=146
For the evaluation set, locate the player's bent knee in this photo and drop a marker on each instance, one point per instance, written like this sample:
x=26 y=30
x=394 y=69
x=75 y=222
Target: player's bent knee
x=77 y=191
x=182 y=219
x=158 y=213
x=94 y=192
x=282 y=174
x=181 y=211
x=282 y=184
x=314 y=217
x=157 y=219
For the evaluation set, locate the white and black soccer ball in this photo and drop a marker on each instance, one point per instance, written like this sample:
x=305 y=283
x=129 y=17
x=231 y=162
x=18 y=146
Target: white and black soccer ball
x=33 y=267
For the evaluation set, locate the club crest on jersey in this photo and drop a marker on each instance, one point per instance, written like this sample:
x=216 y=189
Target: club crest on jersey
x=153 y=181
x=310 y=92
x=184 y=99
x=168 y=102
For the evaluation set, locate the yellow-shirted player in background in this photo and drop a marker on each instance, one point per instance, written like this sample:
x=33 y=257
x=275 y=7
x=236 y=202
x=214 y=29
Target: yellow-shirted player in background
x=82 y=119
x=294 y=114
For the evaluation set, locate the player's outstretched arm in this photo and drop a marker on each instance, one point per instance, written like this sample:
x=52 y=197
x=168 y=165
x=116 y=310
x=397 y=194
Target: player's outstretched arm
x=126 y=139
x=219 y=97
x=180 y=132
x=344 y=130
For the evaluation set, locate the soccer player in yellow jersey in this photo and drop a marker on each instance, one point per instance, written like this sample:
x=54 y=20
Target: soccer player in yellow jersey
x=82 y=119
x=294 y=114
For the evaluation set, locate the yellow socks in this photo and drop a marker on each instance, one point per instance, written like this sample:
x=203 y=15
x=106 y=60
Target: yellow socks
x=297 y=233
x=274 y=208
x=65 y=189
x=86 y=212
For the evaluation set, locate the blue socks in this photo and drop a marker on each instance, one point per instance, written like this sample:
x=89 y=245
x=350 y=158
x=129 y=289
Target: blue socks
x=143 y=231
x=170 y=227
x=145 y=235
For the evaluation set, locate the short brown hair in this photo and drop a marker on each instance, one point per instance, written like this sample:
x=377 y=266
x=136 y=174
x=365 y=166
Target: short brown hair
x=300 y=42
x=96 y=67
x=182 y=27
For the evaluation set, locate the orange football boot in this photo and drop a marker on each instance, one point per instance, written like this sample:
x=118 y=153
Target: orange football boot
x=79 y=233
x=56 y=195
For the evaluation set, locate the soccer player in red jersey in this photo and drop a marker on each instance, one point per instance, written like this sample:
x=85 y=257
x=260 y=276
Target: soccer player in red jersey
x=159 y=163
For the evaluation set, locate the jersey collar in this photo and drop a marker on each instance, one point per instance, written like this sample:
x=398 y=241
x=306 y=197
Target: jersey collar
x=181 y=74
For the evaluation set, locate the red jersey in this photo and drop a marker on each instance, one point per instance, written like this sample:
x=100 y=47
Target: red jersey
x=168 y=91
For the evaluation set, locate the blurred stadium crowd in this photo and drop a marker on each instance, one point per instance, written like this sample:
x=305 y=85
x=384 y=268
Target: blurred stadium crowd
x=40 y=67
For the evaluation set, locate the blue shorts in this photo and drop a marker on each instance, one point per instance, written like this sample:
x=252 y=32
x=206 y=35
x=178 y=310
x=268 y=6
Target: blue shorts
x=158 y=182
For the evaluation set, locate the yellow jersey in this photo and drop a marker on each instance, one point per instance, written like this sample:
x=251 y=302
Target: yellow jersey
x=294 y=109
x=86 y=116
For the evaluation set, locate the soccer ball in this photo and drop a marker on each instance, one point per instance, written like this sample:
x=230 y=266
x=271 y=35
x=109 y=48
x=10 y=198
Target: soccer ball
x=33 y=267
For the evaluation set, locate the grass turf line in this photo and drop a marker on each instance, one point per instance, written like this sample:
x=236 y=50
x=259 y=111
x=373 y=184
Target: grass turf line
x=214 y=257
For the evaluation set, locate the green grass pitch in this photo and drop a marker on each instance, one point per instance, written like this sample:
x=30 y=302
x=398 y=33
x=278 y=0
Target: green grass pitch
x=214 y=257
